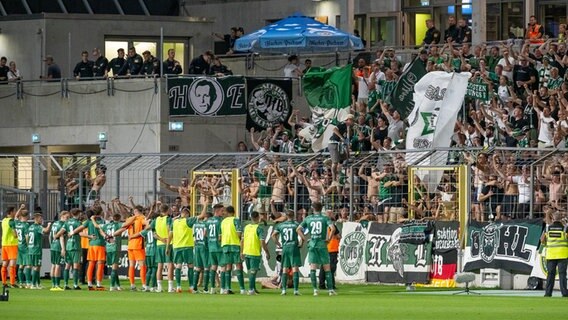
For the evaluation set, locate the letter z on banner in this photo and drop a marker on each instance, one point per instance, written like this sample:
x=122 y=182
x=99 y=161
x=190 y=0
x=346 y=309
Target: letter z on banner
x=352 y=264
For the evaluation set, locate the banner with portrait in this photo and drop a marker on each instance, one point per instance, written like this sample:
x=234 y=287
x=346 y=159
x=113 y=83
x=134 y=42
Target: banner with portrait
x=269 y=102
x=207 y=96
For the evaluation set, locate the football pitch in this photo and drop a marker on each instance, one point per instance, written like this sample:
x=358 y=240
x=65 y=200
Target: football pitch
x=352 y=302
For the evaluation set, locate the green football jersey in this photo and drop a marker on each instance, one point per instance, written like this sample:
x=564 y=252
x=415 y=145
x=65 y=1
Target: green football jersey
x=55 y=244
x=98 y=239
x=200 y=234
x=288 y=234
x=213 y=225
x=264 y=189
x=316 y=225
x=114 y=243
x=73 y=242
x=35 y=233
x=21 y=231
x=150 y=241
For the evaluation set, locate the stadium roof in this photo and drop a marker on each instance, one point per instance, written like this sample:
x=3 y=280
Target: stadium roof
x=119 y=7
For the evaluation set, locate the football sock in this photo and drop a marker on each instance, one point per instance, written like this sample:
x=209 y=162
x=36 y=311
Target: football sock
x=178 y=277
x=112 y=282
x=328 y=280
x=284 y=282
x=241 y=279
x=100 y=272
x=90 y=270
x=52 y=281
x=195 y=278
x=205 y=280
x=116 y=280
x=314 y=280
x=4 y=277
x=28 y=275
x=13 y=275
x=76 y=277
x=228 y=280
x=131 y=275
x=296 y=281
x=252 y=279
x=190 y=278
x=66 y=277
x=143 y=272
x=21 y=275
x=223 y=280
x=148 y=279
x=154 y=278
x=212 y=278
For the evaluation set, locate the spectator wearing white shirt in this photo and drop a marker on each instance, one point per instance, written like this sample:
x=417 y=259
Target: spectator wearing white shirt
x=14 y=73
x=293 y=68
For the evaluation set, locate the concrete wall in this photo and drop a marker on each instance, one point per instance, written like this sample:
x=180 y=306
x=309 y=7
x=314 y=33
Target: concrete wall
x=20 y=42
x=77 y=120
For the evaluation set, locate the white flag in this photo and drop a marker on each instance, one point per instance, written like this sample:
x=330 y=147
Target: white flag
x=438 y=97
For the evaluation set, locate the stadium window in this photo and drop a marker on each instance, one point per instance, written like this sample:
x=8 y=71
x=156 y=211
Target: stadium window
x=179 y=47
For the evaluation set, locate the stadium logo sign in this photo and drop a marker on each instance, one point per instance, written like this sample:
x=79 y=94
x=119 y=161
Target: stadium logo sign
x=206 y=96
x=351 y=252
x=268 y=105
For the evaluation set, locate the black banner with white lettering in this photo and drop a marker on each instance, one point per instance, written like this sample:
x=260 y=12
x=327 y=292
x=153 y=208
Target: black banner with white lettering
x=508 y=245
x=391 y=261
x=445 y=253
x=268 y=102
x=207 y=96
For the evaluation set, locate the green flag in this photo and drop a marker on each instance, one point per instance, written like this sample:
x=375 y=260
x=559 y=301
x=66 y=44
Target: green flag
x=402 y=96
x=328 y=89
x=328 y=92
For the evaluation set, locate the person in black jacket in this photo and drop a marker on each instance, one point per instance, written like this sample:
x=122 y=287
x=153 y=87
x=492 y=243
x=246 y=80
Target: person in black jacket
x=201 y=64
x=432 y=34
x=100 y=64
x=151 y=65
x=118 y=64
x=84 y=69
x=219 y=69
x=452 y=33
x=134 y=62
x=464 y=32
x=171 y=65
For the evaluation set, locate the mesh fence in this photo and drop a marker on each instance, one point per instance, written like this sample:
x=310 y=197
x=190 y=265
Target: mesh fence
x=386 y=186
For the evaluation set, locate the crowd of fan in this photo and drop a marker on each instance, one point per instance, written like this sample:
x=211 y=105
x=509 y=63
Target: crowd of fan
x=527 y=107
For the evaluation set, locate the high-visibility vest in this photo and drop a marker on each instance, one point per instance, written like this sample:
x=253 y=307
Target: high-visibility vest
x=533 y=33
x=229 y=235
x=556 y=242
x=8 y=236
x=251 y=243
x=182 y=234
x=162 y=228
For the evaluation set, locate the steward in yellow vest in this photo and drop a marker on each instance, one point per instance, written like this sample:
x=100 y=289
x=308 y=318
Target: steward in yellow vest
x=252 y=241
x=556 y=254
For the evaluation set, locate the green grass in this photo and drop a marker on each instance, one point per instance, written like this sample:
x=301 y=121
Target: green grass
x=353 y=302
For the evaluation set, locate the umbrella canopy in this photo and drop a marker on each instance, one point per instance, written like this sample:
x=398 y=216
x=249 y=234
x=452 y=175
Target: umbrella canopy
x=298 y=34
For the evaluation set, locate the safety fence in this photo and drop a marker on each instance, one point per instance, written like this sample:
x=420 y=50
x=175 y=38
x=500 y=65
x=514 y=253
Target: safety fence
x=385 y=186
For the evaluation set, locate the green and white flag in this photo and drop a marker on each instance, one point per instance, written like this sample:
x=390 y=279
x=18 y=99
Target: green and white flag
x=401 y=97
x=438 y=98
x=328 y=93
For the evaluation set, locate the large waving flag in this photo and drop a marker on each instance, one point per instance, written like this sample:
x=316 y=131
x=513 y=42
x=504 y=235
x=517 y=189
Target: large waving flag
x=438 y=98
x=328 y=93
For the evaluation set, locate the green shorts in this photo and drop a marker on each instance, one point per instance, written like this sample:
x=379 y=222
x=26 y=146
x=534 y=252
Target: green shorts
x=201 y=257
x=35 y=260
x=183 y=255
x=161 y=256
x=23 y=258
x=73 y=256
x=56 y=257
x=253 y=262
x=231 y=258
x=112 y=258
x=319 y=256
x=151 y=261
x=215 y=258
x=291 y=257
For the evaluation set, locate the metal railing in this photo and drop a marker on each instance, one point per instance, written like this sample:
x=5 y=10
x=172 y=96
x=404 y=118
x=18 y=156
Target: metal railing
x=388 y=186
